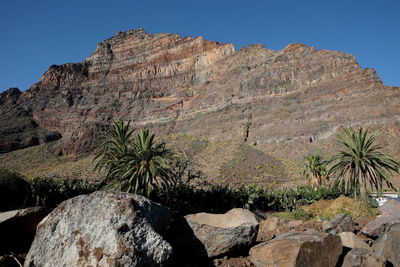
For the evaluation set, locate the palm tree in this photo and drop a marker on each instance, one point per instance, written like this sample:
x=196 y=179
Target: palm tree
x=133 y=165
x=116 y=144
x=144 y=168
x=360 y=165
x=314 y=169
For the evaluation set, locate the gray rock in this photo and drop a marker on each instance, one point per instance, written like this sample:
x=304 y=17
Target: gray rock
x=18 y=227
x=390 y=215
x=388 y=244
x=360 y=257
x=223 y=233
x=376 y=227
x=390 y=208
x=102 y=229
x=298 y=249
x=341 y=223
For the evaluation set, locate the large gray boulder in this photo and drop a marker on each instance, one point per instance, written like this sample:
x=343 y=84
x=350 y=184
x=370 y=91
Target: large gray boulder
x=390 y=215
x=102 y=229
x=311 y=249
x=221 y=233
x=360 y=257
x=387 y=245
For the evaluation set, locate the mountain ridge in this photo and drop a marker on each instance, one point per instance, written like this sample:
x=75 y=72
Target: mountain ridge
x=286 y=102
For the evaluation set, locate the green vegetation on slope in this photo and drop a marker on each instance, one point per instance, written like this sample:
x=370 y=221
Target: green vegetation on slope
x=42 y=161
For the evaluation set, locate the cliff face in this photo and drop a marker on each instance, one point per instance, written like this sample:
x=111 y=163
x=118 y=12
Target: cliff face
x=286 y=101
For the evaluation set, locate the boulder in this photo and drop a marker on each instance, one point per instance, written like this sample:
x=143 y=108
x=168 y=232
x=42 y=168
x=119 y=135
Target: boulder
x=390 y=215
x=388 y=245
x=298 y=249
x=18 y=227
x=221 y=233
x=273 y=223
x=341 y=223
x=102 y=229
x=274 y=226
x=350 y=240
x=376 y=227
x=271 y=227
x=360 y=257
x=390 y=208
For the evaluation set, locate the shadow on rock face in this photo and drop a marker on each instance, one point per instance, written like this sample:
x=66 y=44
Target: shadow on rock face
x=17 y=229
x=188 y=250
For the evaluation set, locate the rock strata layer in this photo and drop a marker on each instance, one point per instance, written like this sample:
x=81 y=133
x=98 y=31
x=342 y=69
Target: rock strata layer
x=283 y=101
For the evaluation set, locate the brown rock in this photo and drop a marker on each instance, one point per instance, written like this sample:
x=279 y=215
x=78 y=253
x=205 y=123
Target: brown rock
x=223 y=233
x=379 y=225
x=387 y=245
x=362 y=221
x=390 y=208
x=360 y=257
x=390 y=215
x=286 y=101
x=350 y=240
x=341 y=223
x=298 y=249
x=273 y=226
x=18 y=228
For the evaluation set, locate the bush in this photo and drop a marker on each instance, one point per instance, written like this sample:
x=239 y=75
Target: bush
x=216 y=199
x=15 y=192
x=328 y=209
x=51 y=192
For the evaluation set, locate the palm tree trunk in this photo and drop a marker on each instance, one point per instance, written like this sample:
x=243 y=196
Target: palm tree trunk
x=363 y=192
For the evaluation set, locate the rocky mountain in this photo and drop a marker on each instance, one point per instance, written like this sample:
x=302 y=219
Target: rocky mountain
x=285 y=102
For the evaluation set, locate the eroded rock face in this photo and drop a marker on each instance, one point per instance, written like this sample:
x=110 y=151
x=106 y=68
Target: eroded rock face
x=283 y=101
x=222 y=233
x=102 y=229
x=298 y=249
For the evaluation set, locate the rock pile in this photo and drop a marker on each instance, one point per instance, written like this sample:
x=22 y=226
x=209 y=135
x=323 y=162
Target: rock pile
x=121 y=229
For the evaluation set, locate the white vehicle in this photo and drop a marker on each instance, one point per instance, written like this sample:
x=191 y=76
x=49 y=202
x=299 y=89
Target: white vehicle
x=382 y=198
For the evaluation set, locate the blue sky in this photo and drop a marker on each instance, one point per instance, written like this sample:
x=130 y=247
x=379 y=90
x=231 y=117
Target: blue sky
x=37 y=34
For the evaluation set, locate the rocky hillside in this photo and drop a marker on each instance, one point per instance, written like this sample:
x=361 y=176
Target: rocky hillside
x=286 y=102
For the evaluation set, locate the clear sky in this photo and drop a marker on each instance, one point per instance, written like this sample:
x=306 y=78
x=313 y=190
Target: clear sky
x=35 y=34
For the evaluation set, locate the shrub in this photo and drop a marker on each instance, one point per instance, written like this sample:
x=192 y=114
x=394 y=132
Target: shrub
x=328 y=209
x=216 y=199
x=15 y=192
x=51 y=192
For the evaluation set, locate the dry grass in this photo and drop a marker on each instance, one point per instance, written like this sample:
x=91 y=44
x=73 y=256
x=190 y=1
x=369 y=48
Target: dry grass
x=41 y=161
x=327 y=209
